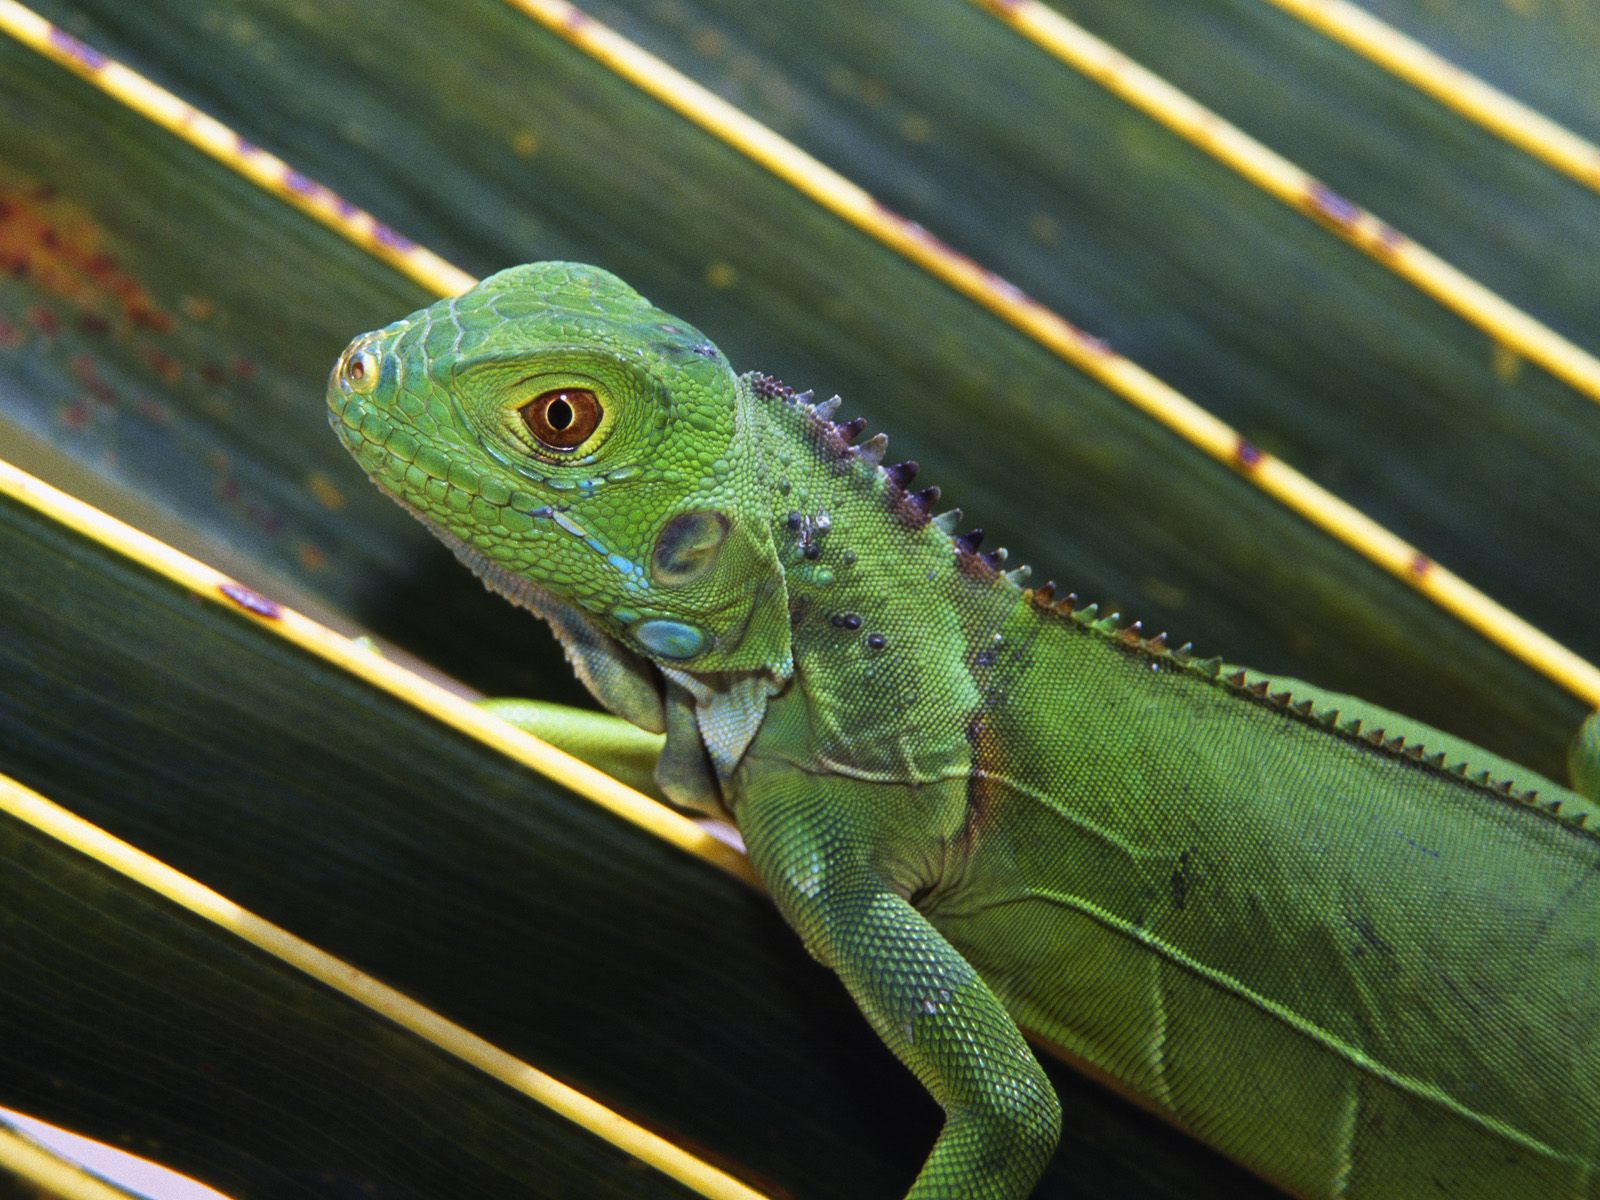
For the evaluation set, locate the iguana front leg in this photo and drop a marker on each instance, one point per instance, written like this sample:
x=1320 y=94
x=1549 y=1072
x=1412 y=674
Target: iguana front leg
x=819 y=859
x=618 y=748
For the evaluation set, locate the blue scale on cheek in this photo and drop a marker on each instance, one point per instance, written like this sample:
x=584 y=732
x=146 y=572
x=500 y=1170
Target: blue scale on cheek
x=626 y=565
x=670 y=639
x=632 y=572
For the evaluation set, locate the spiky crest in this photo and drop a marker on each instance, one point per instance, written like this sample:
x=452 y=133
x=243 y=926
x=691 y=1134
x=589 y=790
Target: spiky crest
x=1129 y=637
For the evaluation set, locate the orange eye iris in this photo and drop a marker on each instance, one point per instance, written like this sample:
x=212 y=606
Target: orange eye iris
x=562 y=419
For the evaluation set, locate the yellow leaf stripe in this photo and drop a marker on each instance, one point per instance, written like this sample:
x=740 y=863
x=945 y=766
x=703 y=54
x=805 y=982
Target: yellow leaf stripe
x=53 y=1176
x=856 y=206
x=1274 y=174
x=65 y=827
x=1464 y=93
x=343 y=652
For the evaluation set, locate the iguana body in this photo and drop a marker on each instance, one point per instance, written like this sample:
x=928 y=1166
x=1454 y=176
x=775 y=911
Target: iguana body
x=1334 y=956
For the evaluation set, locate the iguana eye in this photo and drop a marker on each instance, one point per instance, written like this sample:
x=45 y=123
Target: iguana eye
x=562 y=419
x=360 y=371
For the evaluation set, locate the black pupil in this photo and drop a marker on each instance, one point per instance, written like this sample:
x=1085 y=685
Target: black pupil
x=559 y=414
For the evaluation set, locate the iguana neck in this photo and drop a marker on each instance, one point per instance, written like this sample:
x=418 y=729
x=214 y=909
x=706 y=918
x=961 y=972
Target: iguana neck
x=887 y=610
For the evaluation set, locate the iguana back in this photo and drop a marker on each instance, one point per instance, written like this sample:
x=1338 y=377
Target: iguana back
x=1352 y=971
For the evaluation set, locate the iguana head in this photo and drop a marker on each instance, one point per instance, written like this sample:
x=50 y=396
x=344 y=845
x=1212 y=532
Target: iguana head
x=566 y=436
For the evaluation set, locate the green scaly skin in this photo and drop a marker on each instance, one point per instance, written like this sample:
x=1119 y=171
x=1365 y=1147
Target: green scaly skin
x=1338 y=955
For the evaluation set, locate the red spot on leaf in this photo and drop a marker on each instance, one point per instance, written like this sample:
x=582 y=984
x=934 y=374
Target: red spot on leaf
x=163 y=364
x=151 y=319
x=55 y=241
x=268 y=520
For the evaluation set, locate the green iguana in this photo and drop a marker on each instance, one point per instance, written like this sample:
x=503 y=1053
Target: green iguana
x=1353 y=953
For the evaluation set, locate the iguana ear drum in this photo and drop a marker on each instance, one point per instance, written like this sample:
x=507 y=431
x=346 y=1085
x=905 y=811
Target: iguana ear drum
x=686 y=547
